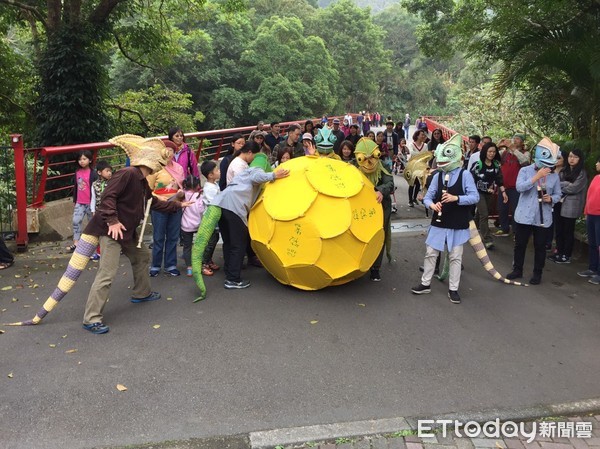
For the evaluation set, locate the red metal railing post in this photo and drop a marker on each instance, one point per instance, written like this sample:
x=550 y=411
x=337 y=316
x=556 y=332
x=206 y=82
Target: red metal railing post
x=21 y=185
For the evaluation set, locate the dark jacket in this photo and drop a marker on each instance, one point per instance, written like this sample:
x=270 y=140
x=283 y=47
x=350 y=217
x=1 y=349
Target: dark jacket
x=124 y=200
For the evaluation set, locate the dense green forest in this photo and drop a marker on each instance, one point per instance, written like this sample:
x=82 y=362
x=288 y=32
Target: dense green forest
x=82 y=70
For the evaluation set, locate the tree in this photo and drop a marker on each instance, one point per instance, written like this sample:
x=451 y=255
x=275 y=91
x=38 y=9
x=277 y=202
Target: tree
x=73 y=81
x=356 y=45
x=542 y=45
x=153 y=111
x=291 y=76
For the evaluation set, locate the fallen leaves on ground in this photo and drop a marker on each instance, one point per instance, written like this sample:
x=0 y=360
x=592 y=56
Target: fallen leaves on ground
x=70 y=351
x=8 y=287
x=121 y=387
x=361 y=304
x=156 y=326
x=314 y=321
x=10 y=375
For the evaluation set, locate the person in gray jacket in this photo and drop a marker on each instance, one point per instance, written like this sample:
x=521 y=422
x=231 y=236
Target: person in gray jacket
x=573 y=184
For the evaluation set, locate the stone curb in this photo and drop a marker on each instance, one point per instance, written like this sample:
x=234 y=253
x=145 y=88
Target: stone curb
x=296 y=435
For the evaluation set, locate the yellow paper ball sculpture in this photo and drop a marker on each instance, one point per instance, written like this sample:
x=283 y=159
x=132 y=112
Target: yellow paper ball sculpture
x=319 y=226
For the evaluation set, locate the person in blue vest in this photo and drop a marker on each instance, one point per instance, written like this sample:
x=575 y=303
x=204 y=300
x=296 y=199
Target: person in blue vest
x=451 y=194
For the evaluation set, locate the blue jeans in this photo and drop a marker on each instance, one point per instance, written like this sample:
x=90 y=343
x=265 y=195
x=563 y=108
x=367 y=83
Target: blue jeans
x=504 y=210
x=166 y=237
x=79 y=213
x=593 y=231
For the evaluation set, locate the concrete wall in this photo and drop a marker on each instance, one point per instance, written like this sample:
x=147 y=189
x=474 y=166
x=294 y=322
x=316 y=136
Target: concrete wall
x=56 y=221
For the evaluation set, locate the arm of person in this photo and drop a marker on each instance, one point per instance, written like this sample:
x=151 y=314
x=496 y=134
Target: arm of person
x=432 y=190
x=93 y=201
x=259 y=176
x=108 y=207
x=570 y=188
x=194 y=164
x=526 y=182
x=471 y=195
x=524 y=158
x=387 y=185
x=553 y=188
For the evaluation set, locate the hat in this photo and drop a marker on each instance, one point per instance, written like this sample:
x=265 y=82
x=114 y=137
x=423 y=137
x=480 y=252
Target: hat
x=336 y=121
x=151 y=153
x=520 y=136
x=255 y=133
x=389 y=122
x=307 y=136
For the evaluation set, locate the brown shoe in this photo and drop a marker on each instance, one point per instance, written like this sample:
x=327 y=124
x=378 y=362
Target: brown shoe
x=206 y=271
x=213 y=266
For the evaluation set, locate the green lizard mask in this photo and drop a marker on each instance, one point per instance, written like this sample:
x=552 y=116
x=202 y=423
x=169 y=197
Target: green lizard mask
x=367 y=155
x=449 y=154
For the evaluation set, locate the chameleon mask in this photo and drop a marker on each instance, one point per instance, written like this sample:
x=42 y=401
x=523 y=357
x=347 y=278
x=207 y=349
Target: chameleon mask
x=449 y=154
x=546 y=153
x=367 y=155
x=324 y=141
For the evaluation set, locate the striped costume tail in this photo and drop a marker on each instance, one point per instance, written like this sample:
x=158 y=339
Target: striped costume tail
x=482 y=255
x=209 y=222
x=79 y=260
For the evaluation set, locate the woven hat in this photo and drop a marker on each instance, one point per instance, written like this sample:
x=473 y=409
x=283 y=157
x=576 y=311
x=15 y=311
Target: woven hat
x=151 y=153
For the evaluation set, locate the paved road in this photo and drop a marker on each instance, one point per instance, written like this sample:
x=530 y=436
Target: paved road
x=251 y=360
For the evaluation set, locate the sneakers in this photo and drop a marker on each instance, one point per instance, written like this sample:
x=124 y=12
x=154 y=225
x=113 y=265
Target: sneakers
x=96 y=328
x=153 y=296
x=71 y=248
x=514 y=274
x=553 y=257
x=489 y=245
x=421 y=289
x=454 y=296
x=173 y=272
x=154 y=273
x=536 y=279
x=189 y=272
x=501 y=233
x=233 y=284
x=375 y=276
x=562 y=259
x=411 y=204
x=95 y=257
x=594 y=280
x=206 y=270
x=587 y=274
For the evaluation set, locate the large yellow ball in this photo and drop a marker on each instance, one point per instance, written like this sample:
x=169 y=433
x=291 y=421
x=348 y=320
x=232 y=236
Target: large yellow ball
x=318 y=227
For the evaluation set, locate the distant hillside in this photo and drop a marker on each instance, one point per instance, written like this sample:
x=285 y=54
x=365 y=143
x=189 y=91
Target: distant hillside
x=376 y=5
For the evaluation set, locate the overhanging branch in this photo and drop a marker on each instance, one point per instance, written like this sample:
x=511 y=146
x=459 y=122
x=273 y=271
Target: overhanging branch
x=22 y=6
x=126 y=55
x=121 y=109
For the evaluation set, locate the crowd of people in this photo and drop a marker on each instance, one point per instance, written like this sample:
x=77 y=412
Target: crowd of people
x=539 y=192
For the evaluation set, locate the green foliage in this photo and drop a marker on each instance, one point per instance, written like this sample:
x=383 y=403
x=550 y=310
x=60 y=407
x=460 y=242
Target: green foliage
x=356 y=45
x=293 y=75
x=547 y=46
x=70 y=108
x=153 y=111
x=16 y=94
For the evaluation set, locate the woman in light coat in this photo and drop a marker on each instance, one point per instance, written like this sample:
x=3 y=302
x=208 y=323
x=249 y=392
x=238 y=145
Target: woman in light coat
x=573 y=183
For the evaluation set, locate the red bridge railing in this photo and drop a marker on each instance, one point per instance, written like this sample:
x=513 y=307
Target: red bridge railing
x=33 y=187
